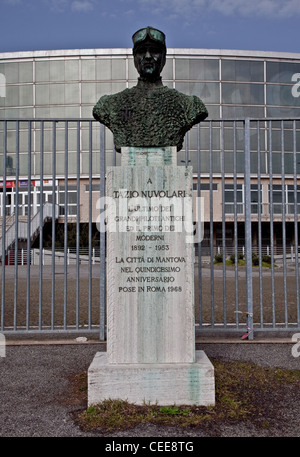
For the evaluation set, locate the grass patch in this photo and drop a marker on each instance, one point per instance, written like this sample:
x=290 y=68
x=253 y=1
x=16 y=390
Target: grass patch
x=244 y=392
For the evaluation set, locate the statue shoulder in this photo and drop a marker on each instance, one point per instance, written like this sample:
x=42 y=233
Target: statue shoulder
x=106 y=104
x=193 y=106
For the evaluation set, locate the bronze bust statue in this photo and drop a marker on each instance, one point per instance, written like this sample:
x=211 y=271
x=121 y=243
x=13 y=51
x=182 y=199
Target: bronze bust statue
x=149 y=114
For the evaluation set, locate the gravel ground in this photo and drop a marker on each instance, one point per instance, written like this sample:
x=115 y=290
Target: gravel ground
x=37 y=394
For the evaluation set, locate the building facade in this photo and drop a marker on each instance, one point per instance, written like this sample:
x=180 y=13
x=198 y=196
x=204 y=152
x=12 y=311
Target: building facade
x=39 y=87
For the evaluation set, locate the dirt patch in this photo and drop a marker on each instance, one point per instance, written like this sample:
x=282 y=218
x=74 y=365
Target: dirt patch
x=247 y=396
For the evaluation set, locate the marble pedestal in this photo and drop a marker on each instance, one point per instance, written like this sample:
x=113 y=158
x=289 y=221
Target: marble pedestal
x=151 y=353
x=155 y=383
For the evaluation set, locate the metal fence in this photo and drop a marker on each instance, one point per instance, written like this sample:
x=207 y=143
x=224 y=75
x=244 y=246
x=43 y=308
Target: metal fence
x=246 y=268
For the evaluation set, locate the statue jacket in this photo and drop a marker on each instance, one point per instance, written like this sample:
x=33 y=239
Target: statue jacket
x=149 y=115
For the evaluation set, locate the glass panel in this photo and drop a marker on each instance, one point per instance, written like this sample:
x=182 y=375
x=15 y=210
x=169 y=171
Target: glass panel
x=88 y=70
x=282 y=72
x=253 y=139
x=72 y=93
x=12 y=96
x=118 y=68
x=242 y=70
x=117 y=86
x=47 y=164
x=283 y=112
x=103 y=69
x=42 y=71
x=60 y=164
x=11 y=164
x=26 y=95
x=23 y=158
x=213 y=111
x=71 y=70
x=36 y=163
x=132 y=73
x=102 y=89
x=42 y=94
x=254 y=162
x=43 y=112
x=11 y=72
x=183 y=87
x=208 y=92
x=72 y=139
x=57 y=70
x=182 y=70
x=242 y=111
x=289 y=163
x=60 y=140
x=57 y=94
x=24 y=141
x=229 y=138
x=86 y=111
x=72 y=163
x=71 y=112
x=240 y=160
x=240 y=94
x=197 y=69
x=205 y=138
x=107 y=89
x=25 y=72
x=276 y=163
x=88 y=93
x=167 y=72
x=203 y=69
x=282 y=95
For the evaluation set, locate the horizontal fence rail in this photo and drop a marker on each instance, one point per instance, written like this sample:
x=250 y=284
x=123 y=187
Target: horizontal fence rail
x=53 y=256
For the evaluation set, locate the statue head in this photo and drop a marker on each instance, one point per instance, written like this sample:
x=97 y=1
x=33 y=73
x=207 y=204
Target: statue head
x=149 y=51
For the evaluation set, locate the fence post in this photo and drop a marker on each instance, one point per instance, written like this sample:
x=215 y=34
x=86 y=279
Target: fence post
x=248 y=232
x=102 y=335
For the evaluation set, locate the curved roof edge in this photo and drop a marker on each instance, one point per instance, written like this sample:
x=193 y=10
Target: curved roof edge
x=128 y=51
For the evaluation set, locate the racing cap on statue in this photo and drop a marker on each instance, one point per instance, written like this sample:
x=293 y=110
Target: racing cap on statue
x=151 y=34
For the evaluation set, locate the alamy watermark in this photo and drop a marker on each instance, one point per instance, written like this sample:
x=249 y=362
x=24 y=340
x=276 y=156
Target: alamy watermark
x=129 y=212
x=2 y=85
x=2 y=345
x=296 y=346
x=296 y=87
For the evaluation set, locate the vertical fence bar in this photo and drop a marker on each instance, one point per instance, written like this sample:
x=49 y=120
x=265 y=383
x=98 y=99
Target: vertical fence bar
x=248 y=232
x=211 y=228
x=28 y=228
x=199 y=228
x=271 y=212
x=296 y=222
x=3 y=227
x=90 y=223
x=66 y=214
x=283 y=203
x=186 y=140
x=16 y=223
x=78 y=227
x=223 y=225
x=259 y=204
x=41 y=260
x=102 y=335
x=236 y=256
x=53 y=221
x=114 y=156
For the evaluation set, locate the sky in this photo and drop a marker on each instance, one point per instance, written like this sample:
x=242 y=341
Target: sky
x=256 y=25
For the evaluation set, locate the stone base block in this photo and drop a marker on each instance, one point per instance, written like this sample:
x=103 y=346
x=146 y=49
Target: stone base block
x=162 y=384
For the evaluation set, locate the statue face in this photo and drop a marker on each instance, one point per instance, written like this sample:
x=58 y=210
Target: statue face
x=149 y=60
